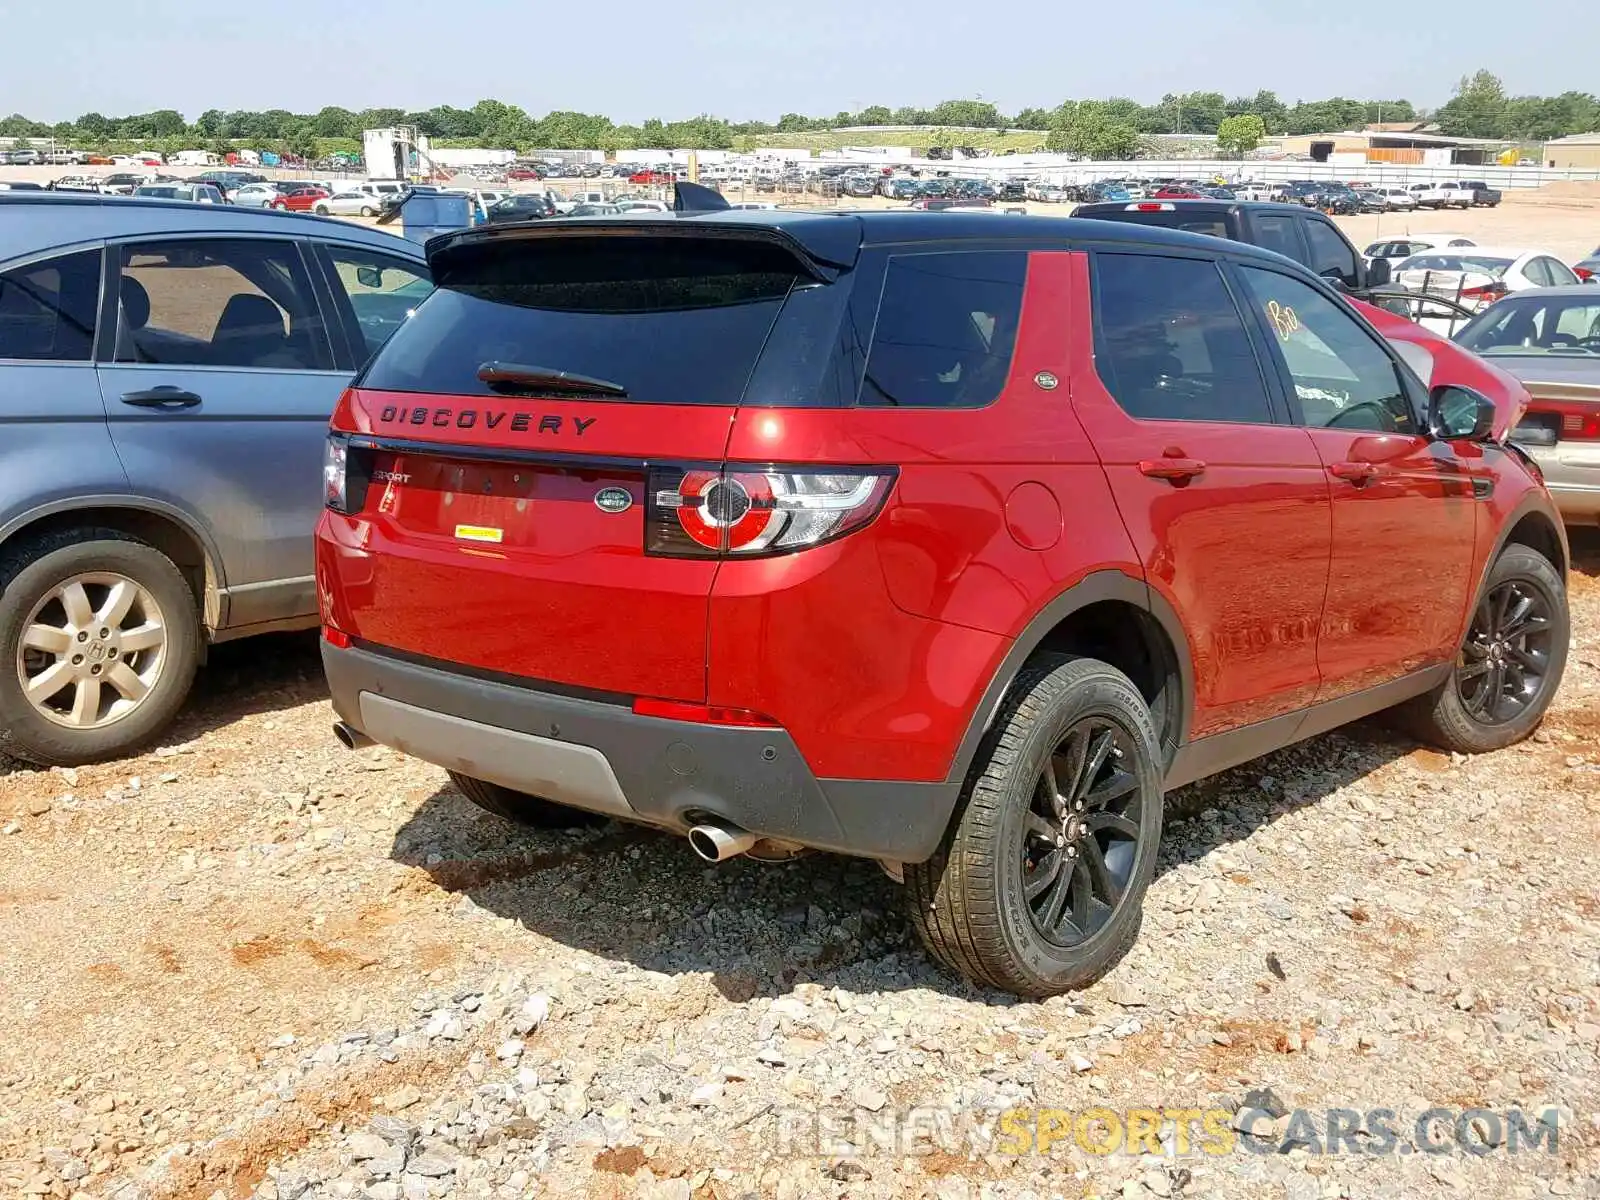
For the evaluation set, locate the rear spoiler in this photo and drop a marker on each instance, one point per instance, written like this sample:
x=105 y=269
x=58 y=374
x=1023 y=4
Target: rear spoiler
x=821 y=249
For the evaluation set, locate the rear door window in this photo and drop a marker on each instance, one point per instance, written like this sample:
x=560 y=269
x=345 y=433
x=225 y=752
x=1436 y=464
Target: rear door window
x=1171 y=345
x=946 y=329
x=47 y=309
x=663 y=320
x=1280 y=234
x=219 y=302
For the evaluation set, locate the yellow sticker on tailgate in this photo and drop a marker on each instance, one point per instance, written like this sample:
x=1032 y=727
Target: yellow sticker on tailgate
x=479 y=533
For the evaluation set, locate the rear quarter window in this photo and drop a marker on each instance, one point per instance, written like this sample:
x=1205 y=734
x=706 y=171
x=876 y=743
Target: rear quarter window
x=946 y=329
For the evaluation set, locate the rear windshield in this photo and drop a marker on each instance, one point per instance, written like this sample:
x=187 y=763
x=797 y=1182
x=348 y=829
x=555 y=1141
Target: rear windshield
x=1476 y=264
x=669 y=320
x=1214 y=224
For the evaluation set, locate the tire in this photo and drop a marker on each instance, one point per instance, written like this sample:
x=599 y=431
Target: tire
x=322 y=210
x=969 y=902
x=49 y=732
x=1471 y=718
x=520 y=808
x=368 y=211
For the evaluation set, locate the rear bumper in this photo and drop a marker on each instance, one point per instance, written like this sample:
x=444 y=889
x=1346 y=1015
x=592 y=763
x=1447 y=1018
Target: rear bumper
x=599 y=755
x=1576 y=502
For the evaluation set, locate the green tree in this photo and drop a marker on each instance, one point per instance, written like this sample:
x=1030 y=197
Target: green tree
x=1274 y=113
x=1032 y=118
x=1092 y=132
x=876 y=114
x=302 y=140
x=1239 y=135
x=966 y=114
x=1478 y=109
x=332 y=122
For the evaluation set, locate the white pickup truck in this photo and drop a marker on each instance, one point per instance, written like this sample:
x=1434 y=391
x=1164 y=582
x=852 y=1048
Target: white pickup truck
x=1442 y=195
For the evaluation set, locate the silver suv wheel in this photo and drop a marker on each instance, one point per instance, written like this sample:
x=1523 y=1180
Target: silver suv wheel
x=92 y=649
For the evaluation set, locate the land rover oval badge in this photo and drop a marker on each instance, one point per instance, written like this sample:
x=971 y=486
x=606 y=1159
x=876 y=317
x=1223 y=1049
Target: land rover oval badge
x=613 y=500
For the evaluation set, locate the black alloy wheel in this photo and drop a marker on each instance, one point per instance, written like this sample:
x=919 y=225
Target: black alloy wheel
x=1507 y=655
x=1081 y=837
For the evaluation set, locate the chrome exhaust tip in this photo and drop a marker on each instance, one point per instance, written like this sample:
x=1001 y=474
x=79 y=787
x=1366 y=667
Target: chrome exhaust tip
x=350 y=737
x=717 y=843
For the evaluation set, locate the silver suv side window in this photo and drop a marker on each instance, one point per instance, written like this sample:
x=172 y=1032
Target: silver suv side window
x=47 y=309
x=219 y=302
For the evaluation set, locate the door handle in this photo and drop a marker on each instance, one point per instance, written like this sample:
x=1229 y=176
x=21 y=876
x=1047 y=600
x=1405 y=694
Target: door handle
x=1173 y=470
x=161 y=397
x=1358 y=474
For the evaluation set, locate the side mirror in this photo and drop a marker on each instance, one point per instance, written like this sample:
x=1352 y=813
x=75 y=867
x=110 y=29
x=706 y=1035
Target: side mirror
x=370 y=277
x=1380 y=273
x=1460 y=414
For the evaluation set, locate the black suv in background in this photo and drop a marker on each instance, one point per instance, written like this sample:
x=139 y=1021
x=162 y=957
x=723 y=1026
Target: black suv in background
x=1303 y=234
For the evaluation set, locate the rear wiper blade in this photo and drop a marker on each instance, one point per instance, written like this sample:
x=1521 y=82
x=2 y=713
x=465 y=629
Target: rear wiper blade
x=513 y=377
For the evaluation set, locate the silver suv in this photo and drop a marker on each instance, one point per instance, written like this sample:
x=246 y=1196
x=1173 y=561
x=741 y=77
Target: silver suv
x=167 y=371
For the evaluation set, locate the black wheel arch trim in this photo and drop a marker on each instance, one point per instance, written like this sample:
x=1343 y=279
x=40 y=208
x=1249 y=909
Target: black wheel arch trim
x=1094 y=588
x=1535 y=503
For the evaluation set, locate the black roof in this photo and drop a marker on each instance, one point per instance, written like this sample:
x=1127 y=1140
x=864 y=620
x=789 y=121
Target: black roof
x=836 y=237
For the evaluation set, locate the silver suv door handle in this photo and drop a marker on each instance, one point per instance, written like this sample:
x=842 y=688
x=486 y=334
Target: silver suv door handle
x=161 y=397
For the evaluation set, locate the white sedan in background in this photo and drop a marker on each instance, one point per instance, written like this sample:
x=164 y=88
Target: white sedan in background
x=347 y=204
x=1475 y=277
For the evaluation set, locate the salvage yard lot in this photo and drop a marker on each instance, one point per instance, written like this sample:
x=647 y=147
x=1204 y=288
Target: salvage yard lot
x=224 y=958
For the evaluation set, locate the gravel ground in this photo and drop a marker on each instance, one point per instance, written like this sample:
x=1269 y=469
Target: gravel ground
x=250 y=964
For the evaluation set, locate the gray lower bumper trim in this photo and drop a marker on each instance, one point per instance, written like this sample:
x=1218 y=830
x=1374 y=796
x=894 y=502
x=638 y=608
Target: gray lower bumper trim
x=569 y=774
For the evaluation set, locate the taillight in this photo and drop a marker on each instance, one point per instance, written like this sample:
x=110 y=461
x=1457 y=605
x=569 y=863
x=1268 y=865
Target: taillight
x=698 y=512
x=1488 y=293
x=1141 y=206
x=1550 y=421
x=1583 y=272
x=345 y=473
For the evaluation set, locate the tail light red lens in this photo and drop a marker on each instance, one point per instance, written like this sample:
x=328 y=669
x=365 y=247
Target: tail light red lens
x=744 y=513
x=1487 y=294
x=1583 y=272
x=1549 y=421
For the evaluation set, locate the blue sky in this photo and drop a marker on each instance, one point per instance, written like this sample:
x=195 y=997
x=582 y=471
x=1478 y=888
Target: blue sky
x=630 y=59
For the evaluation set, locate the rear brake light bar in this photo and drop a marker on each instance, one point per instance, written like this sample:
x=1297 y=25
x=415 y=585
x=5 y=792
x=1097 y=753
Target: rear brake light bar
x=753 y=512
x=1147 y=206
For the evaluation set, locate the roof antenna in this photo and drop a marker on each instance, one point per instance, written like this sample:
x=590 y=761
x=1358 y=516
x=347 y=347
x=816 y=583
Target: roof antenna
x=693 y=198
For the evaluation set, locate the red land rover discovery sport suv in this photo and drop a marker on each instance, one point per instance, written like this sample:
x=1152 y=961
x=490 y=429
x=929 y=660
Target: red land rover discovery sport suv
x=952 y=541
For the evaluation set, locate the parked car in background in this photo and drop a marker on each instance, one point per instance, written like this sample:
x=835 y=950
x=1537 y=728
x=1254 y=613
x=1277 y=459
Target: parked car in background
x=122 y=183
x=75 y=183
x=1398 y=199
x=1483 y=196
x=630 y=208
x=1588 y=269
x=523 y=174
x=1482 y=275
x=25 y=158
x=603 y=210
x=1176 y=191
x=1549 y=338
x=297 y=197
x=160 y=451
x=347 y=204
x=755 y=530
x=1441 y=195
x=194 y=193
x=255 y=195
x=1371 y=200
x=1396 y=250
x=21 y=185
x=524 y=206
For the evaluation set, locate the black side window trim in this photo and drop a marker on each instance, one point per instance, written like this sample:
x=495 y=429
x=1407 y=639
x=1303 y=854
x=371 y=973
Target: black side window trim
x=1353 y=280
x=1271 y=379
x=1295 y=220
x=24 y=262
x=1416 y=393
